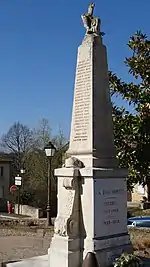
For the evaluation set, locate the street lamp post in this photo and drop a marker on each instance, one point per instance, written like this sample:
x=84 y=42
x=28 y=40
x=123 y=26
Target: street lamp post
x=49 y=151
x=22 y=171
x=18 y=182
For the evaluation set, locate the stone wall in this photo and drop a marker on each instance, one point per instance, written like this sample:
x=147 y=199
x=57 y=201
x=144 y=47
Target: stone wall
x=26 y=210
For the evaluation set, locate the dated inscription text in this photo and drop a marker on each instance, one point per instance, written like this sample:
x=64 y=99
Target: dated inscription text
x=82 y=100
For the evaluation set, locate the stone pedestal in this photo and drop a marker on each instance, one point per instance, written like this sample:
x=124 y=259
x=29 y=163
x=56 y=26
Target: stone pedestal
x=92 y=216
x=104 y=206
x=92 y=193
x=69 y=234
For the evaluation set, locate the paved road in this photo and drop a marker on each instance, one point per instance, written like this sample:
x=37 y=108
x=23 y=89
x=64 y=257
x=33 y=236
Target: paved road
x=19 y=247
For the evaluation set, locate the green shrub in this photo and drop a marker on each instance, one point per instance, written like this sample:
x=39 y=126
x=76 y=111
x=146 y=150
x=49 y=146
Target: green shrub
x=133 y=212
x=127 y=260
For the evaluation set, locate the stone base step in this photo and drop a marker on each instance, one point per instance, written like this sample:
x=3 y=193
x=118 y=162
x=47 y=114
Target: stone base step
x=39 y=261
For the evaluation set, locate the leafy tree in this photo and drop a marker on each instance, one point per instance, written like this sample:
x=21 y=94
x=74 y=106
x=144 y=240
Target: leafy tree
x=36 y=163
x=60 y=143
x=36 y=176
x=132 y=129
x=27 y=197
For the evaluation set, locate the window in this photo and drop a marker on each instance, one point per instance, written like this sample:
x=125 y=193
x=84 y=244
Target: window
x=1 y=171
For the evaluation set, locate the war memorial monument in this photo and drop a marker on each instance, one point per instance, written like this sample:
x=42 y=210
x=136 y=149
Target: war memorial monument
x=92 y=192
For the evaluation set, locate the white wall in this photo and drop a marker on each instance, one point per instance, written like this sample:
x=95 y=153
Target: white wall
x=28 y=211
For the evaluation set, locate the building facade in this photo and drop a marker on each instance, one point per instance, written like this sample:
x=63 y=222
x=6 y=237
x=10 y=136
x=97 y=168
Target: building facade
x=5 y=175
x=138 y=193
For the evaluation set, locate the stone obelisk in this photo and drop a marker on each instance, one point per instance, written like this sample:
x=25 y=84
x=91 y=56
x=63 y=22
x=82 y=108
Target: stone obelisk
x=92 y=194
x=91 y=138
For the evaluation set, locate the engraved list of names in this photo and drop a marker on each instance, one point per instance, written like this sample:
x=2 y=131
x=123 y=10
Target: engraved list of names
x=82 y=99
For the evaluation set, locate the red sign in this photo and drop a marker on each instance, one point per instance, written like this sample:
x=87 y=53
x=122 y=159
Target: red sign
x=13 y=188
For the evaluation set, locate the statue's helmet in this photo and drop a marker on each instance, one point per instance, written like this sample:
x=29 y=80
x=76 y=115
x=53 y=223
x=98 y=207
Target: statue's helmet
x=92 y=4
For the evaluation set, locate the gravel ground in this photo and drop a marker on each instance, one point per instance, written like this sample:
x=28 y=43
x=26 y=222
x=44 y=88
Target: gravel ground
x=25 y=242
x=19 y=244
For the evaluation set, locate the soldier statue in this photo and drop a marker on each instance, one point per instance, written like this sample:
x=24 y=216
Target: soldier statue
x=91 y=23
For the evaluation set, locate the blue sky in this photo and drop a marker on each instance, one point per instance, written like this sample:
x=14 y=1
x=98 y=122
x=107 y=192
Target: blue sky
x=38 y=45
